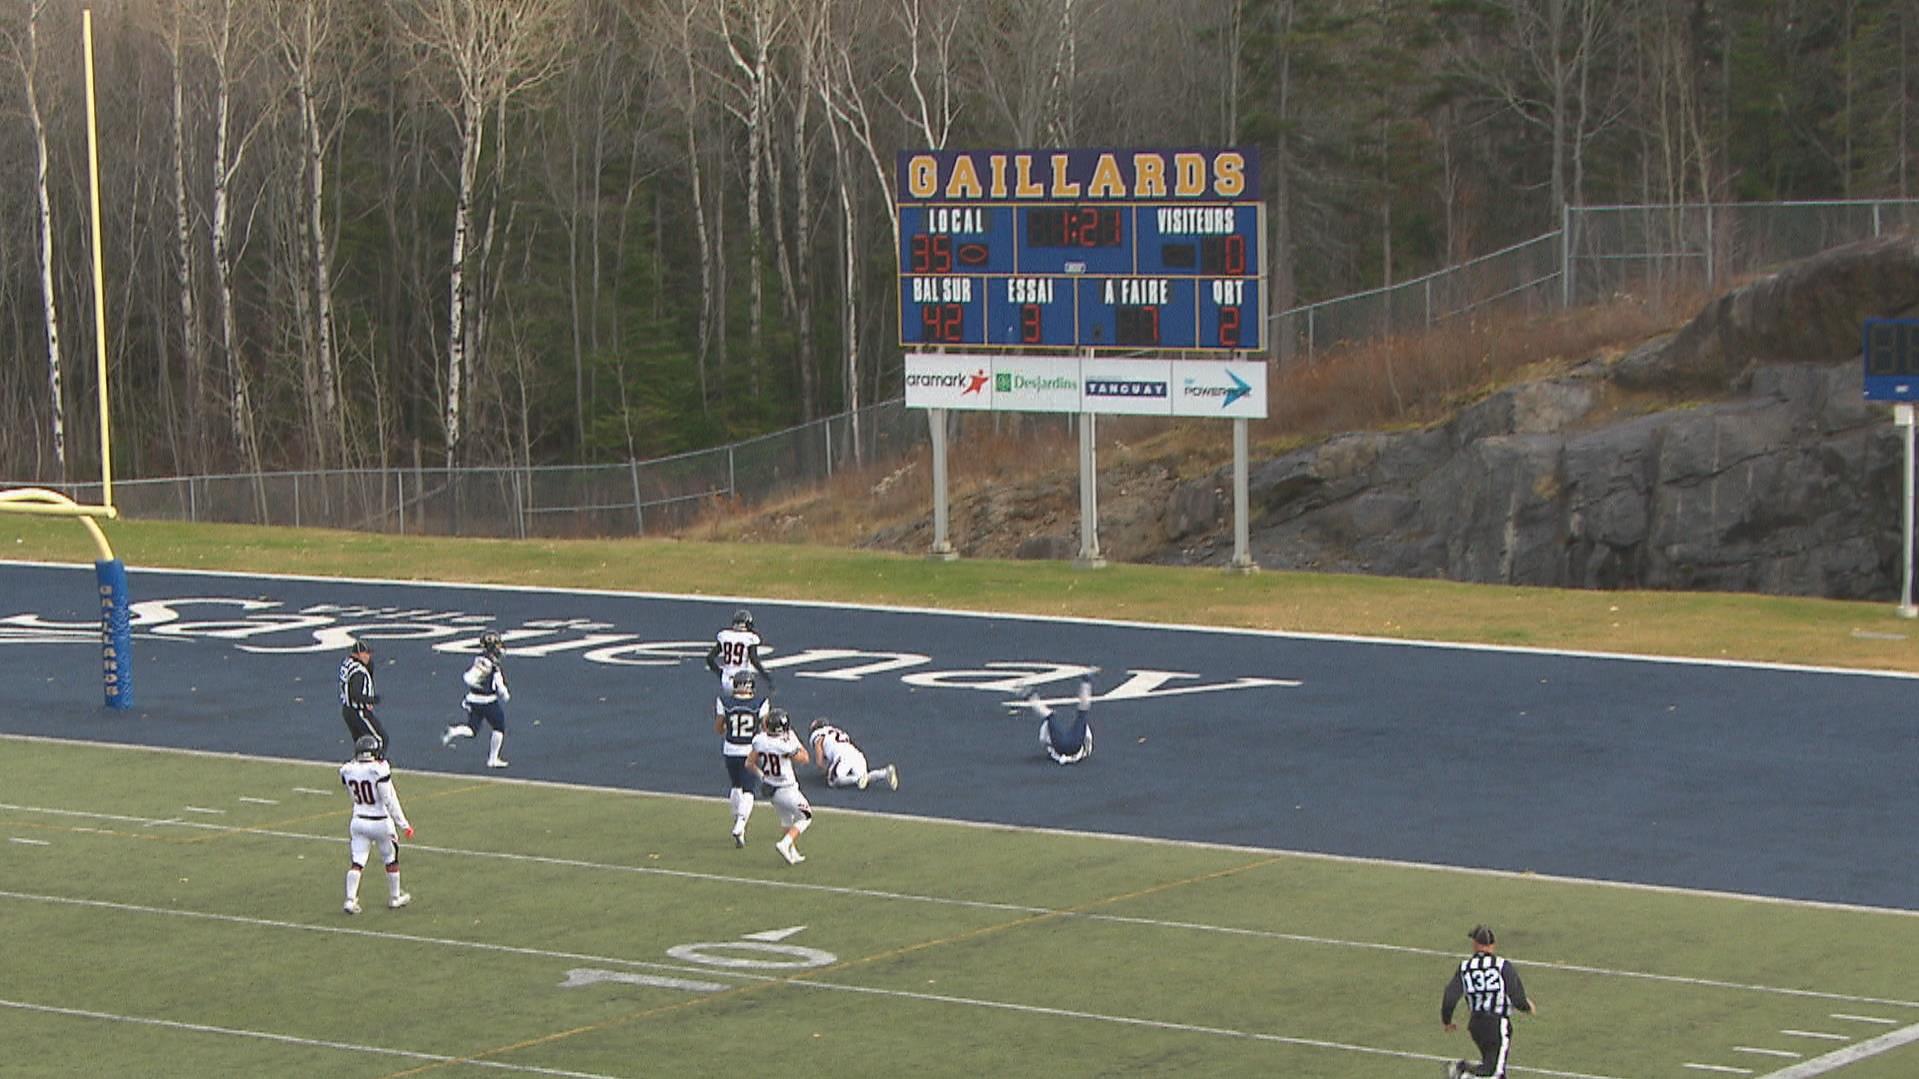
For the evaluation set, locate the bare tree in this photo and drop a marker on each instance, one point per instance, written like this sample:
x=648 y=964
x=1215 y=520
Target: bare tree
x=26 y=54
x=487 y=52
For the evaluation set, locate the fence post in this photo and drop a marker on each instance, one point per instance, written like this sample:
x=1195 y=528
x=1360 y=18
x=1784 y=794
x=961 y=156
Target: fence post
x=639 y=521
x=399 y=496
x=1566 y=257
x=296 y=500
x=826 y=431
x=732 y=488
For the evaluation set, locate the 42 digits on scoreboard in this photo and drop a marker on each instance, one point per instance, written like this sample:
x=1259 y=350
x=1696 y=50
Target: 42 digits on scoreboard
x=1089 y=249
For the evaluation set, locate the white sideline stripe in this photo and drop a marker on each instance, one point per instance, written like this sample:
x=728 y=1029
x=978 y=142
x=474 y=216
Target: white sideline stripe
x=1817 y=1034
x=260 y=801
x=801 y=980
x=1866 y=1019
x=1719 y=1068
x=1012 y=908
x=204 y=809
x=288 y=1039
x=1786 y=1053
x=1185 y=844
x=1839 y=1058
x=1073 y=620
x=29 y=842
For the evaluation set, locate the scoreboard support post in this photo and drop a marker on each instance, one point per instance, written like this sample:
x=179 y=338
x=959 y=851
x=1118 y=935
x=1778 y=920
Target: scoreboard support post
x=942 y=547
x=1089 y=556
x=1242 y=554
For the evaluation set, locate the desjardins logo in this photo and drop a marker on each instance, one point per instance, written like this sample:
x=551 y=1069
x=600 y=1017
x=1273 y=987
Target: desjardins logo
x=1009 y=382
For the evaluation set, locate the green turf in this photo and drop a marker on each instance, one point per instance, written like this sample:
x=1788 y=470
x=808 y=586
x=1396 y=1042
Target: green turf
x=958 y=951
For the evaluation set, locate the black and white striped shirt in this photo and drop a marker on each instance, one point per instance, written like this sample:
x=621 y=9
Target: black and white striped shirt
x=1488 y=984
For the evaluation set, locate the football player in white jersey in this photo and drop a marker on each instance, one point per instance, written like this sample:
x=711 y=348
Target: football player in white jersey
x=376 y=813
x=486 y=697
x=777 y=755
x=736 y=719
x=737 y=648
x=842 y=761
x=1067 y=741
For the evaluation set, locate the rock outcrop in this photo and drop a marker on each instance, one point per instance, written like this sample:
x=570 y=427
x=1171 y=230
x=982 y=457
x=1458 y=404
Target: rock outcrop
x=1785 y=482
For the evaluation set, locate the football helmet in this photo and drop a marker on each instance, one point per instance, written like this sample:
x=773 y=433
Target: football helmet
x=817 y=724
x=778 y=722
x=491 y=644
x=742 y=619
x=745 y=685
x=366 y=747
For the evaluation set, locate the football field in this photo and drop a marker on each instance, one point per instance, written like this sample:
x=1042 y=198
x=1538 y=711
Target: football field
x=177 y=913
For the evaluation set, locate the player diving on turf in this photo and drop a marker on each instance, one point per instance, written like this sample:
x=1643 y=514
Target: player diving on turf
x=1068 y=740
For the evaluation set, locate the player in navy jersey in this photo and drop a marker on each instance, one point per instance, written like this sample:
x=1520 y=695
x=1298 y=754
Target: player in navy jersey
x=357 y=697
x=485 y=700
x=736 y=720
x=1492 y=991
x=1065 y=740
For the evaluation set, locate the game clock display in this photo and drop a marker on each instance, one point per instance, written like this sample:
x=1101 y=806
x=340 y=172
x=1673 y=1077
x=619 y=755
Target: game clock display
x=1162 y=274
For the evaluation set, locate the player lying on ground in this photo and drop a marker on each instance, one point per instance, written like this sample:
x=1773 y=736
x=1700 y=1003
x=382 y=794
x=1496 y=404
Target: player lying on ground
x=1067 y=741
x=842 y=761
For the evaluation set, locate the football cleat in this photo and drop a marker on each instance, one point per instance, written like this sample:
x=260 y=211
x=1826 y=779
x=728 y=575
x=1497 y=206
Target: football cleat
x=892 y=777
x=739 y=839
x=864 y=778
x=399 y=901
x=351 y=906
x=496 y=763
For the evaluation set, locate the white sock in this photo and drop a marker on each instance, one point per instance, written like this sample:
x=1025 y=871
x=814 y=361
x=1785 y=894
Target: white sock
x=877 y=775
x=499 y=739
x=745 y=809
x=392 y=883
x=353 y=884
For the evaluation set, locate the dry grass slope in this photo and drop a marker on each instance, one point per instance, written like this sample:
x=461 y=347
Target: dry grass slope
x=1015 y=477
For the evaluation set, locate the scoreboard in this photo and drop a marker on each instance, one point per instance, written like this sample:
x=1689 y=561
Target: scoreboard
x=1890 y=347
x=1082 y=249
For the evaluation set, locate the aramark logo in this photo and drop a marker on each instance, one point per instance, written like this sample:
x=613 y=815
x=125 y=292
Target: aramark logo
x=1227 y=394
x=1124 y=387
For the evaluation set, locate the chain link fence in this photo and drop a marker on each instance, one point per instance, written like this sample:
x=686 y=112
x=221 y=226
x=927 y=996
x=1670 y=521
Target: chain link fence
x=1602 y=252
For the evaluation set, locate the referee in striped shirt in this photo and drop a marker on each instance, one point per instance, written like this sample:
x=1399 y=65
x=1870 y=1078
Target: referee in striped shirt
x=1492 y=991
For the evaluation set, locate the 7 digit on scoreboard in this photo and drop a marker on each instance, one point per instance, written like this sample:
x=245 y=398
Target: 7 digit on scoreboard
x=1082 y=249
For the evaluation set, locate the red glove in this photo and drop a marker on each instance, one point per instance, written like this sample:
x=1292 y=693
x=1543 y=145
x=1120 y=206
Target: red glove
x=409 y=831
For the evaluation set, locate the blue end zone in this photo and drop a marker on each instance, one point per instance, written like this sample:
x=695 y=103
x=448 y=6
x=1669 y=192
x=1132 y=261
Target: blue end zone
x=116 y=633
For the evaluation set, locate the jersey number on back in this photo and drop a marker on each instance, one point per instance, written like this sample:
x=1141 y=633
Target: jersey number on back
x=362 y=790
x=770 y=763
x=732 y=653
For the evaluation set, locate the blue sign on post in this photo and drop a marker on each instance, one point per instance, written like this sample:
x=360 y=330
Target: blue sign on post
x=1890 y=347
x=116 y=632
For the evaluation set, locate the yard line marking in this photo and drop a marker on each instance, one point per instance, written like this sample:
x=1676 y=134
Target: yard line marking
x=310 y=790
x=1839 y=1058
x=1015 y=908
x=204 y=809
x=1719 y=1068
x=1817 y=1034
x=1866 y=1019
x=260 y=801
x=1788 y=1054
x=1184 y=844
x=29 y=842
x=765 y=979
x=285 y=1039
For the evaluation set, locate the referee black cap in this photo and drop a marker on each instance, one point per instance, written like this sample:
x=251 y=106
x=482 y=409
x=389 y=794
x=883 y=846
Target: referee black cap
x=357 y=646
x=1481 y=935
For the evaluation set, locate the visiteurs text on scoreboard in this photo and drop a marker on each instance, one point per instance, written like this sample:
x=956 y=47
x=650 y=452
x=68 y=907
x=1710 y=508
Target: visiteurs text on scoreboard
x=1085 y=249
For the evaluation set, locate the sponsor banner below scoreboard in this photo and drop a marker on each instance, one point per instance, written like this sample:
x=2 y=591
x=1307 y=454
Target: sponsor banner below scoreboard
x=1073 y=384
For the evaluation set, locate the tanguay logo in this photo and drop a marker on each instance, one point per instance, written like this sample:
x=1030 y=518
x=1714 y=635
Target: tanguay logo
x=1013 y=382
x=1226 y=394
x=1126 y=387
x=947 y=380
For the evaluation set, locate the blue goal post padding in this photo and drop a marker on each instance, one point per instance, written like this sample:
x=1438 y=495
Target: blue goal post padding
x=116 y=632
